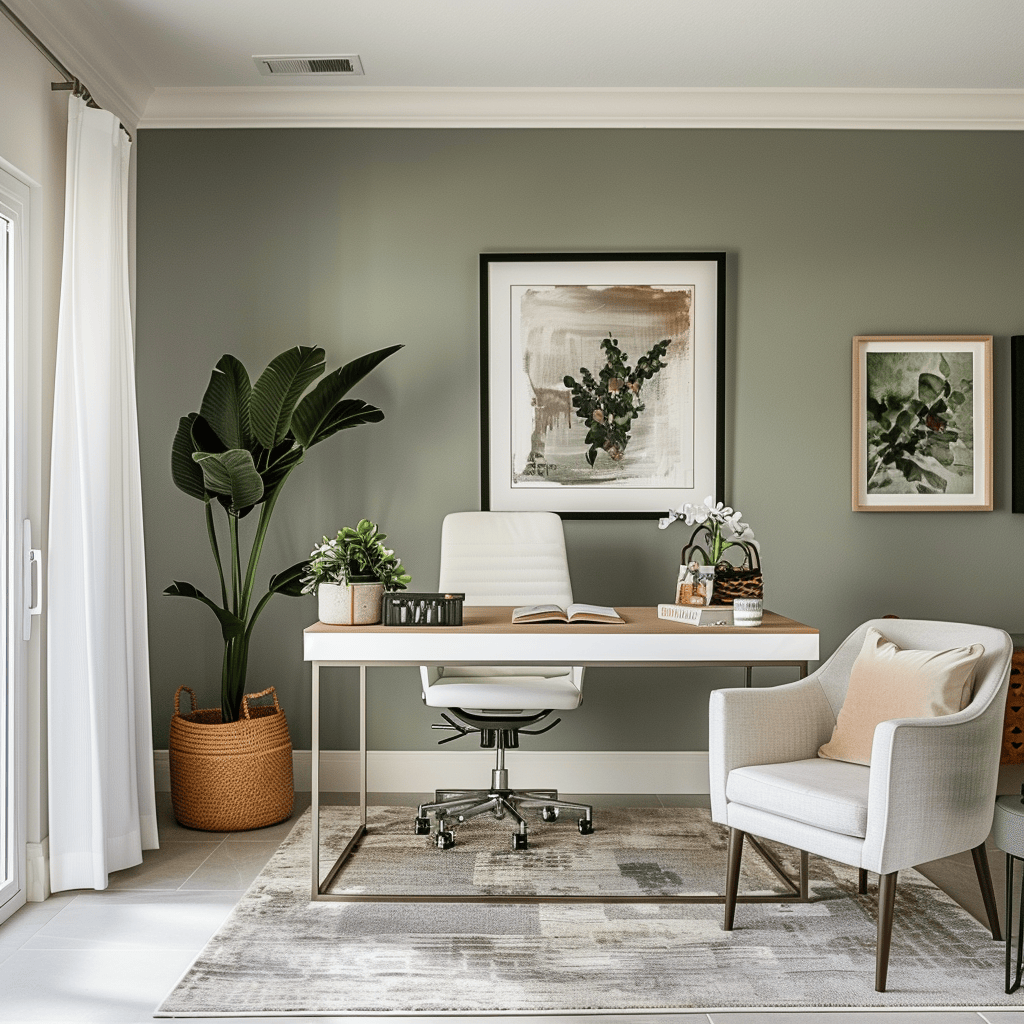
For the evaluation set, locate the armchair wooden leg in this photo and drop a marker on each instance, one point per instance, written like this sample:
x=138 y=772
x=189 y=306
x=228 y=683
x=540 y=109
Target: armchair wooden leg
x=862 y=881
x=886 y=905
x=732 y=876
x=987 y=892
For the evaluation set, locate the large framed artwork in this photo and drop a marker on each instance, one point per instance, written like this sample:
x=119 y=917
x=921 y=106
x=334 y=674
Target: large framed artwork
x=922 y=423
x=602 y=382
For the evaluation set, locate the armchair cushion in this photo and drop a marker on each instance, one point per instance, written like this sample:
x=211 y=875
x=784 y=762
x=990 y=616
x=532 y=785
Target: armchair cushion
x=887 y=683
x=830 y=795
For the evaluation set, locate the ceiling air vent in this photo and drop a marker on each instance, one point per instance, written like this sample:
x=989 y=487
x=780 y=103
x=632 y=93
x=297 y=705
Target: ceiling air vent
x=338 y=64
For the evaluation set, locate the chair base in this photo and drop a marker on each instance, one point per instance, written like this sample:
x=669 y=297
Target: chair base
x=455 y=806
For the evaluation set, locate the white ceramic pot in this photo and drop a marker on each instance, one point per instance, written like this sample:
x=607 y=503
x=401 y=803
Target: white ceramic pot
x=353 y=604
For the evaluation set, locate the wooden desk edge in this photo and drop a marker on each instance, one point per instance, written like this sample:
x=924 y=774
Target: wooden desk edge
x=498 y=619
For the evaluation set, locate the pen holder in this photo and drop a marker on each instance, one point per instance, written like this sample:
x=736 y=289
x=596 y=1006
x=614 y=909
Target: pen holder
x=403 y=609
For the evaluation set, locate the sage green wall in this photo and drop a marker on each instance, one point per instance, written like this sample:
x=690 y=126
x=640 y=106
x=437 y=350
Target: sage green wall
x=252 y=241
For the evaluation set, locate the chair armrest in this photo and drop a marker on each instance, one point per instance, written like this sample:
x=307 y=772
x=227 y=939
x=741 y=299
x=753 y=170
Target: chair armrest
x=932 y=787
x=763 y=726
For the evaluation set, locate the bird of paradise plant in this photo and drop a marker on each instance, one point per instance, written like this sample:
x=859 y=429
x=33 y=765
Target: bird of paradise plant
x=236 y=454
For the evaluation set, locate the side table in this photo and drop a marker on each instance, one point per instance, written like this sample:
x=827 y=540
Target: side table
x=1008 y=835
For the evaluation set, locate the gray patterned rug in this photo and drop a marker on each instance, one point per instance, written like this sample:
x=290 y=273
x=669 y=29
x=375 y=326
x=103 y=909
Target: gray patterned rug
x=278 y=953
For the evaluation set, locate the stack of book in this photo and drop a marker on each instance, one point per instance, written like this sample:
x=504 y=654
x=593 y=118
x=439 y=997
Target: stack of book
x=696 y=614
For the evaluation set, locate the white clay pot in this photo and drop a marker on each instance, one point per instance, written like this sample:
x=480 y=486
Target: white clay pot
x=352 y=604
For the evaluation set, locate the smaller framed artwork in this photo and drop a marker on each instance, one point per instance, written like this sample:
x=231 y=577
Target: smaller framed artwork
x=922 y=423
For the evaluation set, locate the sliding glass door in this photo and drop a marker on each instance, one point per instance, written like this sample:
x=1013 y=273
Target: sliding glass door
x=14 y=267
x=8 y=867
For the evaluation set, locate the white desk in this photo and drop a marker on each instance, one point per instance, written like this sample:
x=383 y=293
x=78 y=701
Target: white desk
x=487 y=637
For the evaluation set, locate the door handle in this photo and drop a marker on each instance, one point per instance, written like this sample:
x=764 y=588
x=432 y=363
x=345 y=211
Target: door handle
x=33 y=568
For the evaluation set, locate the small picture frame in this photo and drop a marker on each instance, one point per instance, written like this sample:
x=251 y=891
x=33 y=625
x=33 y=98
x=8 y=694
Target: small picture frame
x=922 y=423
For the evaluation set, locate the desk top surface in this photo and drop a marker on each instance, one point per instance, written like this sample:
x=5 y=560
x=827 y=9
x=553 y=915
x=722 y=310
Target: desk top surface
x=497 y=619
x=489 y=638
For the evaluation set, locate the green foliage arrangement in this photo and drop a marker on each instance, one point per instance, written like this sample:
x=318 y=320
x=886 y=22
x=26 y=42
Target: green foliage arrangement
x=609 y=404
x=355 y=556
x=236 y=454
x=916 y=441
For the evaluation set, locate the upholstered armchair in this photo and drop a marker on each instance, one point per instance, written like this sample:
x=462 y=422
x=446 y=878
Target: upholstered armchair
x=928 y=792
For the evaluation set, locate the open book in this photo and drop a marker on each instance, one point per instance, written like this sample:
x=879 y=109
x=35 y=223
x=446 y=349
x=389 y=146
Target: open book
x=574 y=613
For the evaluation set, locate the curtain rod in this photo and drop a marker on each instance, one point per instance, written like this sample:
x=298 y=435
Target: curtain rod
x=70 y=82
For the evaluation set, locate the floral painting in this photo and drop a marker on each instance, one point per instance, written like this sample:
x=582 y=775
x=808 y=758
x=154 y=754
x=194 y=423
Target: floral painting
x=922 y=417
x=603 y=386
x=920 y=422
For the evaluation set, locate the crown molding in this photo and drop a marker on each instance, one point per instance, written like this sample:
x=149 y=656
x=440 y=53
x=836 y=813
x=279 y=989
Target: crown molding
x=85 y=47
x=370 y=107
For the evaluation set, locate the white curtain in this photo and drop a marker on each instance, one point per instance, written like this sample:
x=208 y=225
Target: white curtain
x=102 y=804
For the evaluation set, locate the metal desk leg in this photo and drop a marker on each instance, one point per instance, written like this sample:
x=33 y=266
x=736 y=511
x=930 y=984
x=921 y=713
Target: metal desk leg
x=362 y=745
x=314 y=813
x=748 y=676
x=320 y=888
x=1010 y=860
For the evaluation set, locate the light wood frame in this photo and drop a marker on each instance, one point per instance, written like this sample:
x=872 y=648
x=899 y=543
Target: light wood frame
x=979 y=499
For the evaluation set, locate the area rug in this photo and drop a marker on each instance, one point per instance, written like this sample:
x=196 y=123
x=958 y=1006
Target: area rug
x=279 y=953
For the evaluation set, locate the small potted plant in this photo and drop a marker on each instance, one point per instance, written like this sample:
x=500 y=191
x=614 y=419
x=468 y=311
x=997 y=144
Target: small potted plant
x=350 y=573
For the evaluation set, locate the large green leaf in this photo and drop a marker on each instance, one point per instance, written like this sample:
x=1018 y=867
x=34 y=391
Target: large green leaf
x=289 y=582
x=281 y=462
x=232 y=473
x=230 y=625
x=349 y=412
x=313 y=412
x=204 y=437
x=279 y=388
x=226 y=403
x=187 y=476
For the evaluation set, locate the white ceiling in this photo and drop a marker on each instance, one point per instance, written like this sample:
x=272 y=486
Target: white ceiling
x=155 y=53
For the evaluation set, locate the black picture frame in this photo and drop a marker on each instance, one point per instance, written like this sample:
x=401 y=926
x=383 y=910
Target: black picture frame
x=540 y=314
x=1017 y=413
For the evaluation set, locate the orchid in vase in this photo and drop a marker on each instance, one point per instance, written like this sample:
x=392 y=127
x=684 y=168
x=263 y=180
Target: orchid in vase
x=717 y=528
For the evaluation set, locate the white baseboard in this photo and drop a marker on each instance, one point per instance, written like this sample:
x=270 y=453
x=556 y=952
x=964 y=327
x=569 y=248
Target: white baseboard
x=37 y=871
x=574 y=771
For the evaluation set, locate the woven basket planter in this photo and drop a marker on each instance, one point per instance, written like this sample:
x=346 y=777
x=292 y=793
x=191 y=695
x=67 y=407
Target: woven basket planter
x=234 y=776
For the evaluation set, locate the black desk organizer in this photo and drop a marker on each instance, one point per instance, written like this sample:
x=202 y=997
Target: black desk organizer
x=403 y=609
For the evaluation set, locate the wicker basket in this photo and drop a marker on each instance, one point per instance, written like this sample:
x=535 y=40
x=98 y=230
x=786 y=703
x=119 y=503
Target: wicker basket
x=234 y=776
x=735 y=581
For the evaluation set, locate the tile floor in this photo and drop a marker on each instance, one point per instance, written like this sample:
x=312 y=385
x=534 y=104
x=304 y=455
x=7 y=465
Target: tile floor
x=113 y=956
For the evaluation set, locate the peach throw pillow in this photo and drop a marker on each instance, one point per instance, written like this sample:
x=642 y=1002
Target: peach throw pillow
x=886 y=682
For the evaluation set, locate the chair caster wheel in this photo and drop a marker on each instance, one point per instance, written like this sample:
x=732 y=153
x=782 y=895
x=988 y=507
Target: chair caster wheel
x=549 y=813
x=422 y=827
x=586 y=827
x=519 y=841
x=445 y=839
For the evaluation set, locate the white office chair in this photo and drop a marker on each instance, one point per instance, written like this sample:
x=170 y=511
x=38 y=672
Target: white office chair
x=929 y=791
x=501 y=558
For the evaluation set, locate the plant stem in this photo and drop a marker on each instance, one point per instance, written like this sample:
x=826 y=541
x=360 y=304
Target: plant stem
x=212 y=531
x=236 y=567
x=236 y=658
x=257 y=544
x=264 y=600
